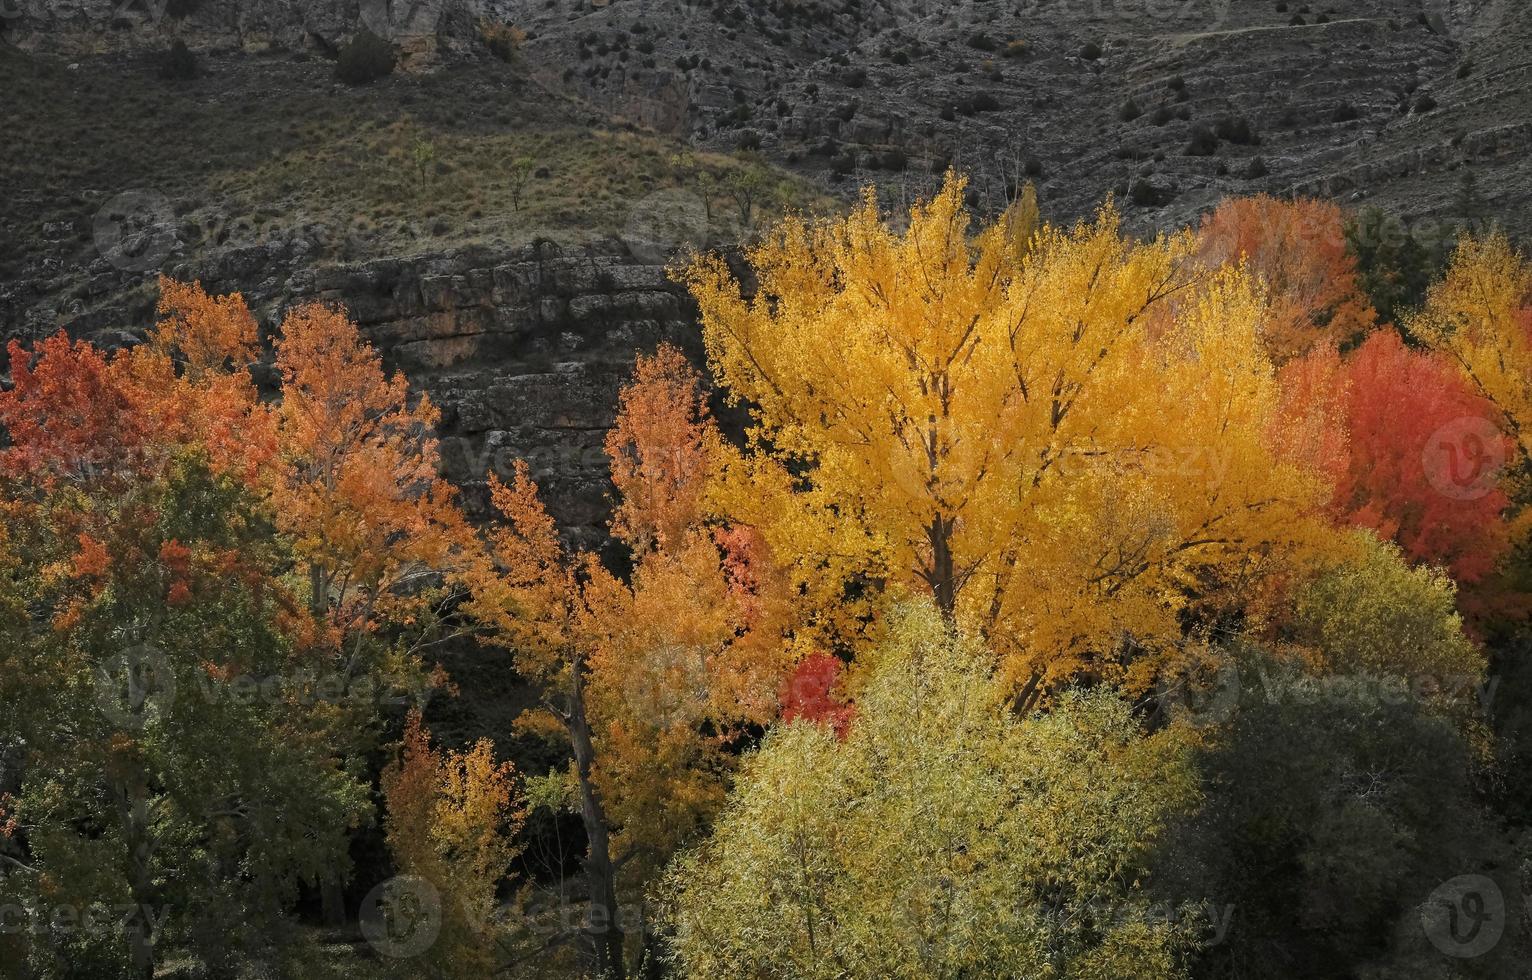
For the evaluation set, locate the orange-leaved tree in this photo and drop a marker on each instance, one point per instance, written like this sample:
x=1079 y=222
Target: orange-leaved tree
x=651 y=677
x=155 y=588
x=1299 y=248
x=1406 y=415
x=358 y=488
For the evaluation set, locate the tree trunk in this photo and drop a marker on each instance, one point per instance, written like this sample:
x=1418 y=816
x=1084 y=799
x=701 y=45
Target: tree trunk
x=942 y=576
x=133 y=812
x=332 y=895
x=603 y=930
x=332 y=900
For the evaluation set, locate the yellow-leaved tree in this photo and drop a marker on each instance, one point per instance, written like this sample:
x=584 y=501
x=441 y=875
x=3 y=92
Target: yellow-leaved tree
x=1480 y=315
x=452 y=820
x=1064 y=441
x=943 y=836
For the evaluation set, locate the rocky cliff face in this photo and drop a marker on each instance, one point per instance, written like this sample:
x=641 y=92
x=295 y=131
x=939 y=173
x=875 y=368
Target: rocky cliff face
x=523 y=352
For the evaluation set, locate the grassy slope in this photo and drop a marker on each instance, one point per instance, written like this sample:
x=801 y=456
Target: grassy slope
x=262 y=147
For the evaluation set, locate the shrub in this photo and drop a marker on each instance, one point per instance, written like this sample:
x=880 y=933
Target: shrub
x=1425 y=103
x=1299 y=828
x=982 y=42
x=366 y=59
x=1016 y=49
x=1161 y=116
x=1091 y=51
x=502 y=40
x=178 y=64
x=1143 y=194
x=181 y=9
x=1345 y=112
x=1129 y=111
x=1202 y=143
x=1257 y=169
x=1235 y=130
x=985 y=102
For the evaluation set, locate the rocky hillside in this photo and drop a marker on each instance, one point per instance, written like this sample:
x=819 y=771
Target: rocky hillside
x=1172 y=104
x=89 y=27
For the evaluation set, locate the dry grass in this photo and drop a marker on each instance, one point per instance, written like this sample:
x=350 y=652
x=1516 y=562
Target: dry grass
x=264 y=148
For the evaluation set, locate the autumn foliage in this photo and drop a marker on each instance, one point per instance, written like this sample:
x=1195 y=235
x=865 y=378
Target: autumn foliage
x=901 y=679
x=1298 y=249
x=1057 y=443
x=1412 y=450
x=452 y=822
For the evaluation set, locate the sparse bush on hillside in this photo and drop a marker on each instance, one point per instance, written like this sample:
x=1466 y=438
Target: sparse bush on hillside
x=502 y=40
x=1143 y=194
x=1130 y=111
x=1091 y=51
x=1202 y=143
x=178 y=64
x=1237 y=130
x=181 y=9
x=366 y=59
x=1016 y=49
x=985 y=102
